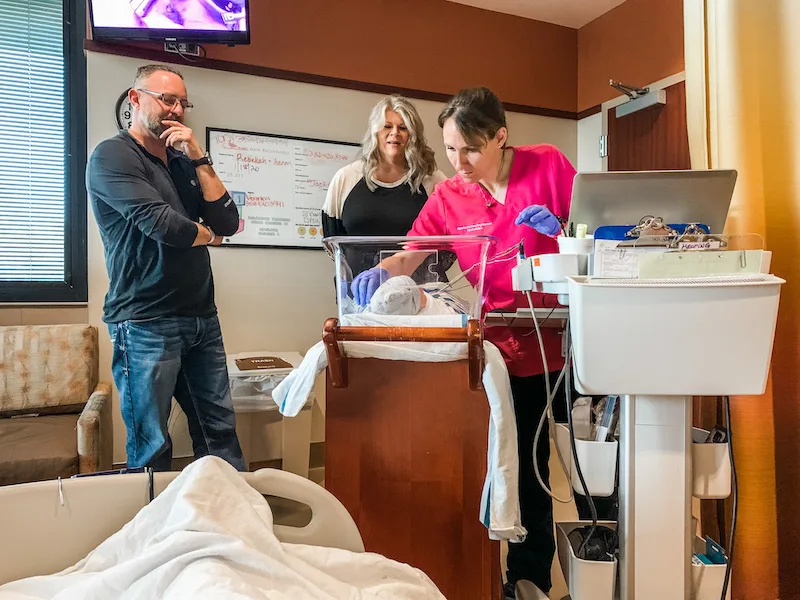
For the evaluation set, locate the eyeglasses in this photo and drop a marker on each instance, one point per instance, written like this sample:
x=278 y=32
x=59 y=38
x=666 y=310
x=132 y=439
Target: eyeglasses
x=168 y=99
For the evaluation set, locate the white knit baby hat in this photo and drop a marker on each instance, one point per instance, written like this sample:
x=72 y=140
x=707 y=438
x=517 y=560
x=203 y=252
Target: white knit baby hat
x=396 y=296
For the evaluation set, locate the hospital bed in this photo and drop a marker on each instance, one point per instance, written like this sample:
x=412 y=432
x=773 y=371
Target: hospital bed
x=50 y=525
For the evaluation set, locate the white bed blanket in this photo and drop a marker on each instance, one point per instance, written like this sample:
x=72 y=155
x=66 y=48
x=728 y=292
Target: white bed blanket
x=210 y=535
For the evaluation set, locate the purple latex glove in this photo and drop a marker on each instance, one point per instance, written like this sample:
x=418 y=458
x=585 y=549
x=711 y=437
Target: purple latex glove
x=539 y=218
x=365 y=284
x=343 y=289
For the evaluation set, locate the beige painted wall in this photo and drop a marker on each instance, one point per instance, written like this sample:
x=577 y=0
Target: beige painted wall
x=267 y=299
x=589 y=131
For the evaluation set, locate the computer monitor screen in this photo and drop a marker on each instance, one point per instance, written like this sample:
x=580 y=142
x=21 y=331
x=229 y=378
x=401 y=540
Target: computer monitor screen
x=623 y=198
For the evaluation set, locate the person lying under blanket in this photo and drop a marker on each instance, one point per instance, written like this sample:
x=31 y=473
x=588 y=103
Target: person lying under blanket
x=209 y=534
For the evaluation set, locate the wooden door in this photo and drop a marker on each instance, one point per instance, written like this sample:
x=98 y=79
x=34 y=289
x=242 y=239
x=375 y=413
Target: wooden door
x=653 y=139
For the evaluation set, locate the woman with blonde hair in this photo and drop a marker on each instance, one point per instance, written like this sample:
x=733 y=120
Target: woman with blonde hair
x=383 y=192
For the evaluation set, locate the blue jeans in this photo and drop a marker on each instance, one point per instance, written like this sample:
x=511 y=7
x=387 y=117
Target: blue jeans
x=156 y=359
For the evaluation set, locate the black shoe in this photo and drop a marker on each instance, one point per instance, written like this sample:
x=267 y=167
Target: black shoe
x=510 y=591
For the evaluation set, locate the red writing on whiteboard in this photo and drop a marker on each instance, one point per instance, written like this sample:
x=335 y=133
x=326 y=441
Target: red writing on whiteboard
x=326 y=155
x=281 y=163
x=227 y=141
x=265 y=201
x=255 y=160
x=317 y=183
x=247 y=167
x=236 y=141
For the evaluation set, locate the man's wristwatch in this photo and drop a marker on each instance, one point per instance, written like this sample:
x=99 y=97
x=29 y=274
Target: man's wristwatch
x=206 y=160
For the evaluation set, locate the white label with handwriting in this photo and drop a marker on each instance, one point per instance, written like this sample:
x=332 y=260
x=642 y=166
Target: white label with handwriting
x=707 y=245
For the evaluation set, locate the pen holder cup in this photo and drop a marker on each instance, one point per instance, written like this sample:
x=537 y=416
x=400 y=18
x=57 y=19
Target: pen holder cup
x=583 y=247
x=586 y=579
x=598 y=462
x=707 y=580
x=711 y=468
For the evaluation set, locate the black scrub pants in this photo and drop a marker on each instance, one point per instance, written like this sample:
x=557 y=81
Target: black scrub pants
x=533 y=558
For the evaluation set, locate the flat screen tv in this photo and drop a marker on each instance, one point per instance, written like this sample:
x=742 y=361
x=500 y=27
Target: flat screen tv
x=192 y=21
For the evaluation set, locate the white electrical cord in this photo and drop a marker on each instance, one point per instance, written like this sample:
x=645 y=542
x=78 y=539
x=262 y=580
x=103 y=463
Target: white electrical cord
x=548 y=413
x=505 y=255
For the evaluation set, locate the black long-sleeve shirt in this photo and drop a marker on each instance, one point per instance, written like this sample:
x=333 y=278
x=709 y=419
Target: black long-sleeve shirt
x=147 y=214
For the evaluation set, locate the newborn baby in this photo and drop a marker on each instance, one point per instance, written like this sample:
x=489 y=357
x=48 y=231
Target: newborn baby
x=402 y=296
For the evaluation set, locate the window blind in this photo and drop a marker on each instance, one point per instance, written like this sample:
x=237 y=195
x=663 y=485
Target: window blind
x=32 y=141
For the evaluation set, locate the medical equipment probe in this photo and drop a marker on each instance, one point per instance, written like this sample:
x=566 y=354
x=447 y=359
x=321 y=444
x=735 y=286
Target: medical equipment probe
x=545 y=320
x=548 y=412
x=495 y=260
x=499 y=257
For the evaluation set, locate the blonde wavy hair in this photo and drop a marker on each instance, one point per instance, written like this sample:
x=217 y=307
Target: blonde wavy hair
x=419 y=156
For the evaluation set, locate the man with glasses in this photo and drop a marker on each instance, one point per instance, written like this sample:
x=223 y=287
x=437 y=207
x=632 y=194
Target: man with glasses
x=158 y=204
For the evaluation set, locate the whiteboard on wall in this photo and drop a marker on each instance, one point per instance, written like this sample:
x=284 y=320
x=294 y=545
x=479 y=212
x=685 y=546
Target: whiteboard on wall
x=278 y=183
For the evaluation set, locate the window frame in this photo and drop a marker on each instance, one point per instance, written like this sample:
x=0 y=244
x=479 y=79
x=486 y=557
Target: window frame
x=74 y=287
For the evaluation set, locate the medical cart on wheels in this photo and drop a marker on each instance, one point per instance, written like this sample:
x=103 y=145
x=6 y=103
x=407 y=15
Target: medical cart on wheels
x=656 y=342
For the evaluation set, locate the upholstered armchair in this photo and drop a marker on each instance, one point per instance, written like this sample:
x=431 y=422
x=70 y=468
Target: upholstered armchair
x=55 y=419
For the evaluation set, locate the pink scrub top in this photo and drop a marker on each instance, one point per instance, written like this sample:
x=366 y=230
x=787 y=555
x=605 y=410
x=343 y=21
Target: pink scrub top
x=540 y=174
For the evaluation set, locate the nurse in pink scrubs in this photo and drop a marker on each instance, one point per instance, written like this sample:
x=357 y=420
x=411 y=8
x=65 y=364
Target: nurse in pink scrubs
x=514 y=193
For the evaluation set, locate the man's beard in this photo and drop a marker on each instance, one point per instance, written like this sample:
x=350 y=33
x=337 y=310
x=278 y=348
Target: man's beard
x=156 y=126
